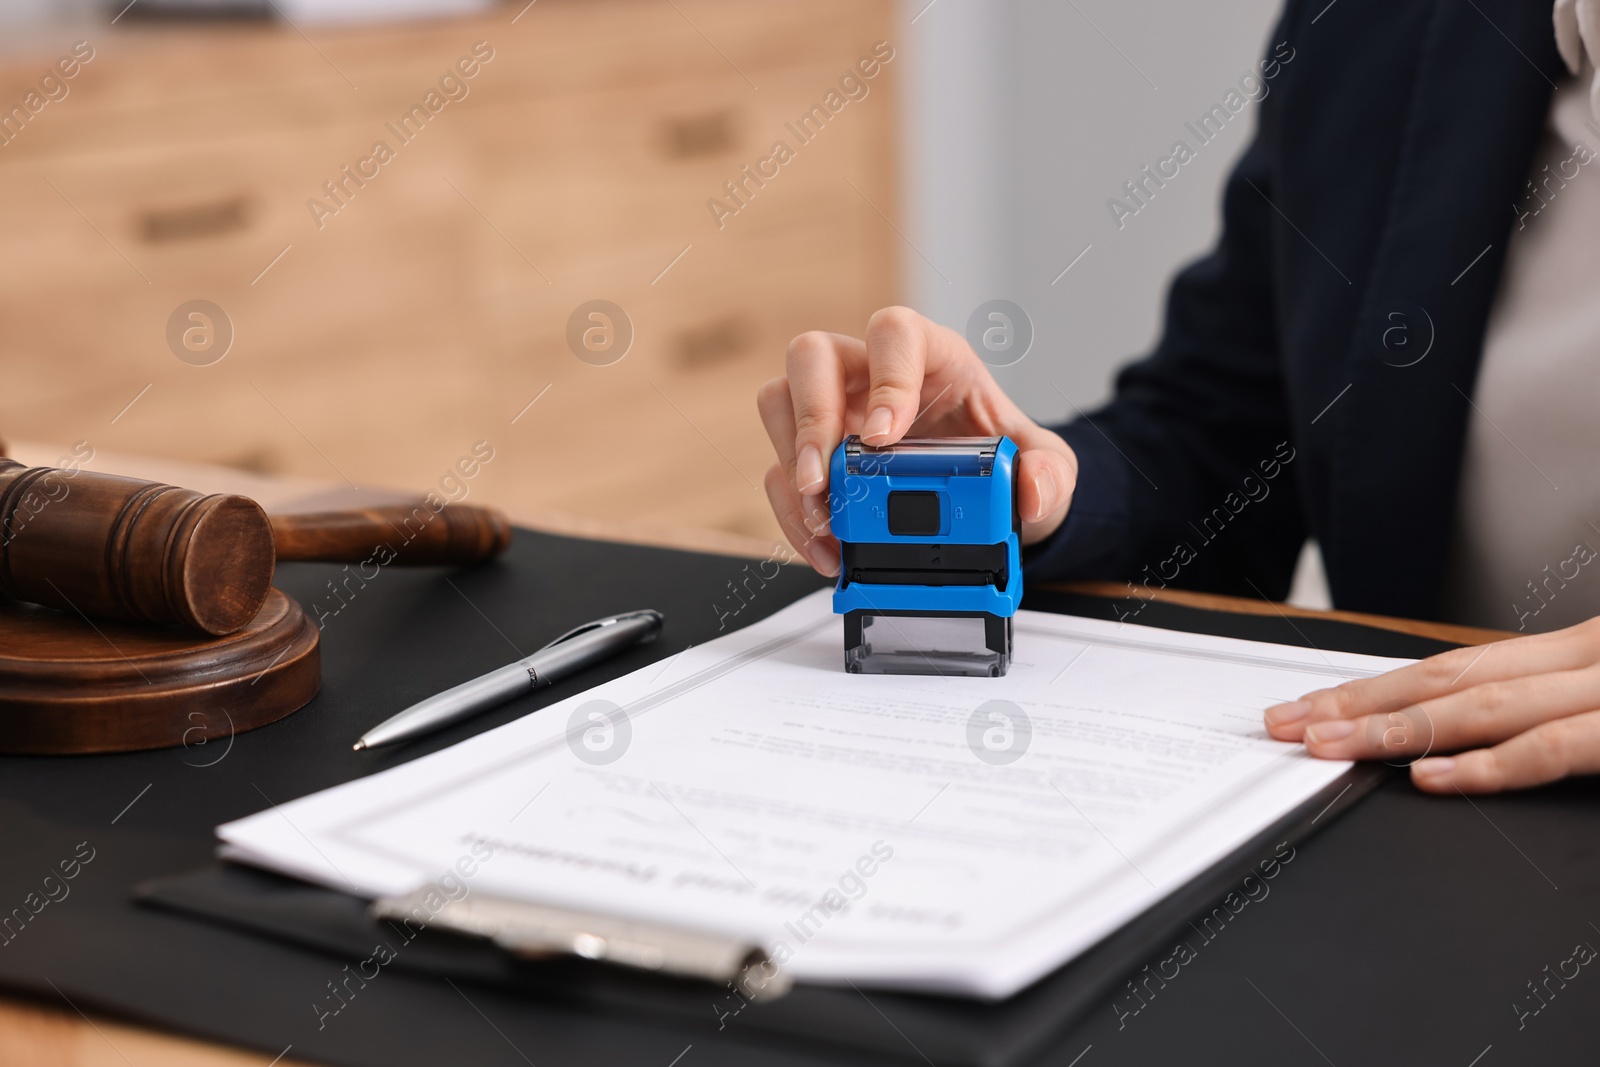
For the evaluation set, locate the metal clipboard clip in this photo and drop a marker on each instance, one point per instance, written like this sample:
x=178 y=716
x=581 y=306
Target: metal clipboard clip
x=536 y=931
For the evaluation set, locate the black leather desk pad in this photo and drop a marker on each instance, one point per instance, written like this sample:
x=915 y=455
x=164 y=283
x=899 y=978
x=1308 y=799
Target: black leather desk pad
x=1405 y=931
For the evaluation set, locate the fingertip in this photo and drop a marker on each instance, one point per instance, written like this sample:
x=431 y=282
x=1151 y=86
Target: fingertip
x=1286 y=722
x=810 y=474
x=1045 y=493
x=1319 y=705
x=897 y=350
x=1045 y=484
x=773 y=397
x=1314 y=700
x=774 y=483
x=814 y=513
x=1331 y=739
x=1436 y=774
x=1294 y=711
x=823 y=555
x=879 y=427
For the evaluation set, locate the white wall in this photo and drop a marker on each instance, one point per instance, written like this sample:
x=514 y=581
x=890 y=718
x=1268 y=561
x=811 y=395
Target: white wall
x=1022 y=118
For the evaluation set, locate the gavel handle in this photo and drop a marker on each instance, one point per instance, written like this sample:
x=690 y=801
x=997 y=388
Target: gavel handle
x=459 y=534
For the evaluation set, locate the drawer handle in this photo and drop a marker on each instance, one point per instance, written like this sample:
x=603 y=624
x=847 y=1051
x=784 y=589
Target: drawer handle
x=193 y=221
x=715 y=342
x=698 y=135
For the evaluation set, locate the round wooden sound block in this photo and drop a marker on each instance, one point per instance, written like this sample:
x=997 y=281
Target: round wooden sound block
x=68 y=685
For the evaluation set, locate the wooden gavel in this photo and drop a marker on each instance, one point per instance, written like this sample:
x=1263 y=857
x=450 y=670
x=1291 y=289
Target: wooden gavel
x=121 y=548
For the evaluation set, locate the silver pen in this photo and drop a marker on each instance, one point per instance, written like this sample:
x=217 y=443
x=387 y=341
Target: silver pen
x=572 y=651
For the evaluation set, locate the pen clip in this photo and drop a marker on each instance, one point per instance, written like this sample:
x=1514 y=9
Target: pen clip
x=609 y=620
x=535 y=931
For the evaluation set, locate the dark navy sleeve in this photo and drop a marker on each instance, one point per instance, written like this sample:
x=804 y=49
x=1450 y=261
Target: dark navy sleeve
x=1186 y=477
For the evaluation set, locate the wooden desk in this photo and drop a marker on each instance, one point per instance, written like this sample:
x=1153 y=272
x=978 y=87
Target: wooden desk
x=49 y=1035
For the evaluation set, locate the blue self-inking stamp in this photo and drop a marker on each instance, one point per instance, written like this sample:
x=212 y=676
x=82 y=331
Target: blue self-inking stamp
x=931 y=564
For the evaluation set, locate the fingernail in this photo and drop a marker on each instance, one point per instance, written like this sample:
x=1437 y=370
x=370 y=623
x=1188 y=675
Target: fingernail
x=879 y=424
x=819 y=522
x=808 y=468
x=1044 y=484
x=1434 y=765
x=822 y=558
x=1332 y=730
x=1284 y=714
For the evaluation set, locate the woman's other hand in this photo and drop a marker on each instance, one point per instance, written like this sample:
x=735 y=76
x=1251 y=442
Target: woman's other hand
x=1506 y=715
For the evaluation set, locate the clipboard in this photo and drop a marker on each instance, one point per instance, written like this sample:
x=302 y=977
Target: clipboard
x=966 y=1032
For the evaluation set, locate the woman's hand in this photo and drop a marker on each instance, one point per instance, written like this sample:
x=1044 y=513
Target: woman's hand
x=907 y=372
x=1516 y=713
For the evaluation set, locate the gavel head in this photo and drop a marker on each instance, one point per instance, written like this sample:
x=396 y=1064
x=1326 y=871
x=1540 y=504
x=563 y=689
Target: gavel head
x=121 y=548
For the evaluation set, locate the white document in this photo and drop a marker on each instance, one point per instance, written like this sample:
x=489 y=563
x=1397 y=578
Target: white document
x=905 y=832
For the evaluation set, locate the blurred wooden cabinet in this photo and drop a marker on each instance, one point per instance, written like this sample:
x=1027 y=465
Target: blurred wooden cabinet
x=433 y=306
